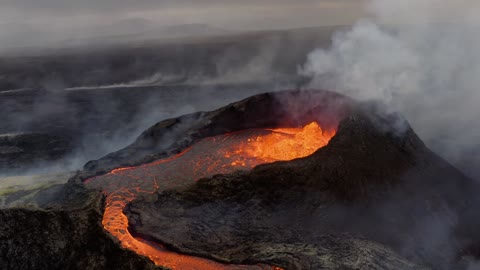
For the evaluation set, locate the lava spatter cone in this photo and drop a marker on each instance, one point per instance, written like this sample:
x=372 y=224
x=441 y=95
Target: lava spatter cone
x=210 y=156
x=343 y=162
x=353 y=191
x=358 y=199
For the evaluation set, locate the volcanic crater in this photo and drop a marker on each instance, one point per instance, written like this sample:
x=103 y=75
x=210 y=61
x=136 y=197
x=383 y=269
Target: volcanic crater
x=287 y=180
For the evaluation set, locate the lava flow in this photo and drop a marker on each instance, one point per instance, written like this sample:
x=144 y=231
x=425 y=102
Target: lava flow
x=215 y=155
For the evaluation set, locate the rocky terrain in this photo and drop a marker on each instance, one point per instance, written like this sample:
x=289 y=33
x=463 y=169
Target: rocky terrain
x=368 y=186
x=374 y=198
x=67 y=234
x=269 y=110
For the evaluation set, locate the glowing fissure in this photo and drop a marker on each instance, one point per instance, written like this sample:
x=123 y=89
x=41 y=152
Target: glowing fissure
x=215 y=155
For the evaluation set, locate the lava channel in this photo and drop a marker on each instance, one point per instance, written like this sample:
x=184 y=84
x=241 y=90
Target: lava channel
x=221 y=154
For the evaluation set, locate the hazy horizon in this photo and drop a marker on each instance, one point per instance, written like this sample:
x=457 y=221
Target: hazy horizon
x=45 y=23
x=26 y=23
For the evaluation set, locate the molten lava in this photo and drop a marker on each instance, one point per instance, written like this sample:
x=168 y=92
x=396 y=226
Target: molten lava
x=215 y=155
x=285 y=144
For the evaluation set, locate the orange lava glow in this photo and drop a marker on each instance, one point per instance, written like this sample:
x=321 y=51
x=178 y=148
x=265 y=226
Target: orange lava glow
x=285 y=143
x=210 y=156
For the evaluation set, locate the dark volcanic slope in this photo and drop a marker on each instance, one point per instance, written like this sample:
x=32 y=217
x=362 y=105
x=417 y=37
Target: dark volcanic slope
x=68 y=237
x=372 y=184
x=374 y=198
x=269 y=110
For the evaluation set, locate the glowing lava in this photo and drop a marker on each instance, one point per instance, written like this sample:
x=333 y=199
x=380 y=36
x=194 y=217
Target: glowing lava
x=286 y=143
x=215 y=155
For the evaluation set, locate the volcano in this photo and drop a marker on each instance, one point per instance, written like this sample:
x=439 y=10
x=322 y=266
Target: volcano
x=285 y=180
x=219 y=154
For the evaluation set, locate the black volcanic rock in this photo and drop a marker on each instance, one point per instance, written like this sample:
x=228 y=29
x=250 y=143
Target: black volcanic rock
x=69 y=236
x=373 y=189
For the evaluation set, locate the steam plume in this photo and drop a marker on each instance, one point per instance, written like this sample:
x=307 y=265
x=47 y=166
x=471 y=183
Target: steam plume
x=422 y=58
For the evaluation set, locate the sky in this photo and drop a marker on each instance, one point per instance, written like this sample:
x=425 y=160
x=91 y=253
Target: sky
x=229 y=13
x=37 y=21
x=33 y=22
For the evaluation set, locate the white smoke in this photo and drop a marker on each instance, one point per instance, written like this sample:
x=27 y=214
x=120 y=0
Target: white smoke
x=421 y=57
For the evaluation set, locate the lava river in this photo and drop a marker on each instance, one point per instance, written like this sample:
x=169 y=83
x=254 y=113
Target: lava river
x=214 y=155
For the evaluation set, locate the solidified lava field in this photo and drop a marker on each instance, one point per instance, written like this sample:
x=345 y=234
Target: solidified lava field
x=221 y=154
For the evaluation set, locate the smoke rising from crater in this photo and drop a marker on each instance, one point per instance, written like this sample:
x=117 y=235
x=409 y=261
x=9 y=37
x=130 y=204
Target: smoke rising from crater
x=423 y=59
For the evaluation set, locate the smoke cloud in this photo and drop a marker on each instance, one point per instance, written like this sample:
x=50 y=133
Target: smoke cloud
x=420 y=57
